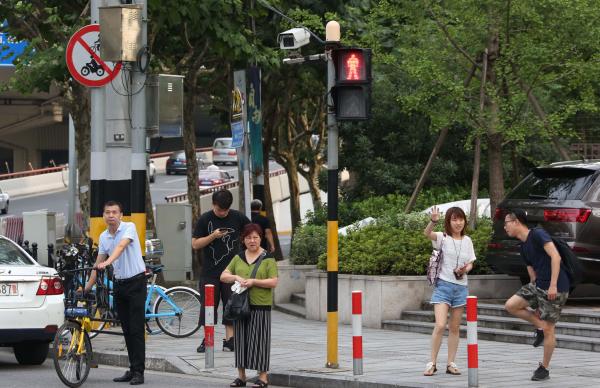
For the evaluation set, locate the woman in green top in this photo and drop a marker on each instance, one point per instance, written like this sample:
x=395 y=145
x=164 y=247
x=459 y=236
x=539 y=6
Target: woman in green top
x=252 y=336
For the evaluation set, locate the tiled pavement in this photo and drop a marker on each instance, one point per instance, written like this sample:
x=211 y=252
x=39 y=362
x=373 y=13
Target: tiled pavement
x=298 y=356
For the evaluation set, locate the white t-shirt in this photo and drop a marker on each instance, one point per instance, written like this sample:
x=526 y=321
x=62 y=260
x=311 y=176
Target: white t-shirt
x=456 y=254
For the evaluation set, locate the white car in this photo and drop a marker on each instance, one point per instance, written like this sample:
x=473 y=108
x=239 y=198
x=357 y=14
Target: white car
x=4 y=200
x=222 y=152
x=31 y=304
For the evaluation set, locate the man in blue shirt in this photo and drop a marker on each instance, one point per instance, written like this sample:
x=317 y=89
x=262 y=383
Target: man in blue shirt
x=549 y=287
x=119 y=245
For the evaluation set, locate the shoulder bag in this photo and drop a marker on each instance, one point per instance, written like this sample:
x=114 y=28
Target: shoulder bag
x=238 y=305
x=435 y=263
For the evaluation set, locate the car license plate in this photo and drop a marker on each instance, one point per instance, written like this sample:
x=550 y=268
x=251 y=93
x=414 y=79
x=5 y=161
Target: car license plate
x=9 y=289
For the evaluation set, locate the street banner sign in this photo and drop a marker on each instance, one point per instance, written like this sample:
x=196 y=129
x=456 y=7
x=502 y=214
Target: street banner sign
x=237 y=134
x=255 y=120
x=83 y=58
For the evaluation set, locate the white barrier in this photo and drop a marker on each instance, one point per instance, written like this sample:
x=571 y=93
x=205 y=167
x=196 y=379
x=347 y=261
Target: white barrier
x=36 y=183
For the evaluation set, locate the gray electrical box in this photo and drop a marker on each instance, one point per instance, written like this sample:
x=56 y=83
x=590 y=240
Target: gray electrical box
x=164 y=105
x=40 y=227
x=175 y=232
x=120 y=32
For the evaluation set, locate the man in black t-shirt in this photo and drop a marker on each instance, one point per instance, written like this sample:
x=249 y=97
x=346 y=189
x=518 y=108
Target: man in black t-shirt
x=217 y=233
x=548 y=290
x=266 y=243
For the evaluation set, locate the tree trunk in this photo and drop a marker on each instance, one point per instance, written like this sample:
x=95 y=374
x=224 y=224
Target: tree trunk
x=150 y=225
x=494 y=137
x=312 y=177
x=189 y=146
x=292 y=173
x=268 y=206
x=426 y=170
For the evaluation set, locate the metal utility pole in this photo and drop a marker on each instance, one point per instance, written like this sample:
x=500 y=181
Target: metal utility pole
x=332 y=37
x=98 y=148
x=71 y=228
x=138 y=136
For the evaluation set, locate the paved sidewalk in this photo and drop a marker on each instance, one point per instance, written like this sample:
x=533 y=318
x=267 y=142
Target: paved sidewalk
x=392 y=359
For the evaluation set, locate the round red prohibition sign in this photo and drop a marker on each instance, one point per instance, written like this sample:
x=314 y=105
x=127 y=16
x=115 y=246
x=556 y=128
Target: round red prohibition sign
x=83 y=58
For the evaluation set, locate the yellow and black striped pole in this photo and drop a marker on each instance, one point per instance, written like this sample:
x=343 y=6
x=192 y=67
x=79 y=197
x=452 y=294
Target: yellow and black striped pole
x=333 y=40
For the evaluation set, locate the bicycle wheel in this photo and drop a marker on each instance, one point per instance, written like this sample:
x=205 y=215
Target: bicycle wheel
x=151 y=325
x=187 y=321
x=71 y=357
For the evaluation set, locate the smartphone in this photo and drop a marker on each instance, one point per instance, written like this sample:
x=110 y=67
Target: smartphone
x=223 y=230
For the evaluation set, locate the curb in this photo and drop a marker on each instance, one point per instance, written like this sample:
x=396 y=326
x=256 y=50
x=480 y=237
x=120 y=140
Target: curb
x=283 y=378
x=307 y=380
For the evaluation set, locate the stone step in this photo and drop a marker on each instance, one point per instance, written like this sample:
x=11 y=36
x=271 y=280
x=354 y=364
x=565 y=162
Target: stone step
x=291 y=309
x=569 y=314
x=299 y=299
x=511 y=323
x=499 y=335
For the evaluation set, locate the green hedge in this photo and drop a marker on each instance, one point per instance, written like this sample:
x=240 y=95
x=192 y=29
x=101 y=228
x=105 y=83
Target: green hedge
x=308 y=243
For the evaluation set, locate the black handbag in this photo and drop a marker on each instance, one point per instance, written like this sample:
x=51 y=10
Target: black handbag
x=238 y=305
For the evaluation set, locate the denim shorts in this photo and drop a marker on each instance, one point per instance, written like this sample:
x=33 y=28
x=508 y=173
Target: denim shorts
x=454 y=295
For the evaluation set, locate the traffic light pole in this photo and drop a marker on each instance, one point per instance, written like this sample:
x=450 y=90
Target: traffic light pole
x=333 y=39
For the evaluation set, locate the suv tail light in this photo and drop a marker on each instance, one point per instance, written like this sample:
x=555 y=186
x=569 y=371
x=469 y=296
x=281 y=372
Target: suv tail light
x=567 y=215
x=500 y=213
x=50 y=286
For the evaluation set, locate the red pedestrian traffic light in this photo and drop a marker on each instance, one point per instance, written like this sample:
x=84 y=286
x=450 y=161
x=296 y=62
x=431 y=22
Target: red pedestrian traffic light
x=352 y=93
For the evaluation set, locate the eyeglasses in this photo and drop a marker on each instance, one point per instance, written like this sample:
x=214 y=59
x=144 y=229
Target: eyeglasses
x=506 y=222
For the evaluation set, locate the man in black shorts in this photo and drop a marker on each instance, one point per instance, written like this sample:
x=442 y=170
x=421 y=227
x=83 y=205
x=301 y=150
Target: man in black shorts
x=217 y=233
x=539 y=302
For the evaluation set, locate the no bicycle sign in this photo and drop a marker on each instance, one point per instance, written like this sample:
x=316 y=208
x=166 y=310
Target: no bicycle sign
x=83 y=58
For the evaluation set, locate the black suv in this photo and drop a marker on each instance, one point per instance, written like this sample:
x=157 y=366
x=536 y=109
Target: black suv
x=564 y=199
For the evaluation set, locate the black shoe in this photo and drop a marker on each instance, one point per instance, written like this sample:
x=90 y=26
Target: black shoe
x=125 y=378
x=540 y=374
x=228 y=345
x=201 y=348
x=539 y=338
x=138 y=378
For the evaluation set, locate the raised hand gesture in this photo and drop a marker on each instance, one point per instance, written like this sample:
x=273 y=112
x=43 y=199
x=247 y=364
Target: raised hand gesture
x=435 y=214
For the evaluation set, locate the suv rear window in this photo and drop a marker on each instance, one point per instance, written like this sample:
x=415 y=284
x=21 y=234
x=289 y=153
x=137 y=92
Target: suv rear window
x=554 y=183
x=11 y=255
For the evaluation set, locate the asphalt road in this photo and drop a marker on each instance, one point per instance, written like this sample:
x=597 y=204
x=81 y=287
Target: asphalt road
x=14 y=375
x=58 y=201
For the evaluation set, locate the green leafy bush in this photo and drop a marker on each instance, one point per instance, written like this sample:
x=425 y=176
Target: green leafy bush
x=395 y=245
x=308 y=243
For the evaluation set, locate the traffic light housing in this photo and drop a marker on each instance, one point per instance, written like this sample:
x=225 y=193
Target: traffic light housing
x=352 y=92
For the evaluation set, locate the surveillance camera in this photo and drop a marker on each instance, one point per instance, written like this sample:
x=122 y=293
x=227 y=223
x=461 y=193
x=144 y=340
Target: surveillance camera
x=294 y=39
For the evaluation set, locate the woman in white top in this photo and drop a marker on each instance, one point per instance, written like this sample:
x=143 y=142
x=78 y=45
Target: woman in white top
x=450 y=292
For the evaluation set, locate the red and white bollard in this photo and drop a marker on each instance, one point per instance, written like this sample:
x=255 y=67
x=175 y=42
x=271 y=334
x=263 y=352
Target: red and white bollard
x=472 y=349
x=209 y=326
x=357 y=348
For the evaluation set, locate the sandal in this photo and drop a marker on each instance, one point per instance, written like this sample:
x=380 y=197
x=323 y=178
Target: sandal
x=238 y=383
x=430 y=369
x=260 y=384
x=452 y=369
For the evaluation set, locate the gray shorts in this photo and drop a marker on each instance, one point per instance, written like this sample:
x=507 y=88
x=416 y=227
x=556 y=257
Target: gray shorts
x=538 y=300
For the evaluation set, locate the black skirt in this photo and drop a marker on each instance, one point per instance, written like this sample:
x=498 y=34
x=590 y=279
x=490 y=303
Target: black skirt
x=253 y=340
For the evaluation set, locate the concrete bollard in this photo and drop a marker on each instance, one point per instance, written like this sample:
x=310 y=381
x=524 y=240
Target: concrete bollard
x=472 y=349
x=209 y=326
x=357 y=348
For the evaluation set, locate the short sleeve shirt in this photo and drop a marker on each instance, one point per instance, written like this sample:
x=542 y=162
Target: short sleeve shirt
x=130 y=262
x=219 y=252
x=267 y=270
x=535 y=256
x=457 y=253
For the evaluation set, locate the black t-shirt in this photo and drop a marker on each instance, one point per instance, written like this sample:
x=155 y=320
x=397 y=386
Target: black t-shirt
x=218 y=254
x=263 y=221
x=535 y=256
